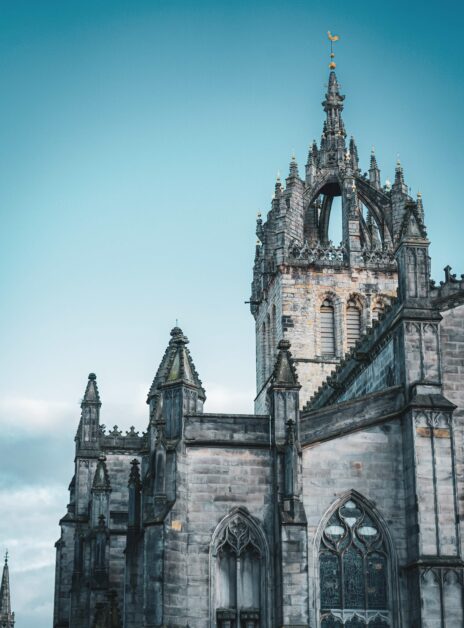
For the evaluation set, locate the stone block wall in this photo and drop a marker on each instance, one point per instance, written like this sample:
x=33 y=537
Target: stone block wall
x=452 y=360
x=369 y=462
x=220 y=479
x=297 y=294
x=378 y=375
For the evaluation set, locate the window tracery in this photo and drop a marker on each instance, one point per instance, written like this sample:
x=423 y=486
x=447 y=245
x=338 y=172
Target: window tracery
x=240 y=568
x=353 y=567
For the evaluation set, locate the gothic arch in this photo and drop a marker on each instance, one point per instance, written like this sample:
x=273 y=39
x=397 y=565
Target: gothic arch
x=239 y=531
x=329 y=299
x=382 y=547
x=355 y=301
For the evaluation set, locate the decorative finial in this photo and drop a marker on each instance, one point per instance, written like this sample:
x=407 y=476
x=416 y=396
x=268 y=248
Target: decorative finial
x=6 y=557
x=332 y=38
x=278 y=176
x=258 y=215
x=92 y=376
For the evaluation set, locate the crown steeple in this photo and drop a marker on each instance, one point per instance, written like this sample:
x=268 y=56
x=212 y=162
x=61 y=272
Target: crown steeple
x=6 y=616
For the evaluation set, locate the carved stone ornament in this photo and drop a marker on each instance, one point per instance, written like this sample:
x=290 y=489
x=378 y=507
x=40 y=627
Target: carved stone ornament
x=239 y=536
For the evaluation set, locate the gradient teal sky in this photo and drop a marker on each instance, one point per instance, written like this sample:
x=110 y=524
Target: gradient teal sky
x=137 y=142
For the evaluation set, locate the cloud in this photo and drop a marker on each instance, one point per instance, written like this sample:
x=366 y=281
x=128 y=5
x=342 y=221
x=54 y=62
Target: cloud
x=20 y=416
x=220 y=398
x=29 y=529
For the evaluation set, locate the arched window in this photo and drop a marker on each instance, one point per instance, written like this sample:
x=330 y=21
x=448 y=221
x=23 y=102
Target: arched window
x=327 y=328
x=353 y=323
x=353 y=564
x=239 y=561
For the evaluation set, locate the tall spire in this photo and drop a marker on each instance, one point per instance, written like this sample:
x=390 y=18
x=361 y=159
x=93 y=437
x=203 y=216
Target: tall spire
x=6 y=616
x=333 y=106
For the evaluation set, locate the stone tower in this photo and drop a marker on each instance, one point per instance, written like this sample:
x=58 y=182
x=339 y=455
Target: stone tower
x=320 y=295
x=7 y=619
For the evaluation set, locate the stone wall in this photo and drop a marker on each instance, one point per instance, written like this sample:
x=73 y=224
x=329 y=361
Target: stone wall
x=368 y=462
x=452 y=357
x=297 y=294
x=220 y=479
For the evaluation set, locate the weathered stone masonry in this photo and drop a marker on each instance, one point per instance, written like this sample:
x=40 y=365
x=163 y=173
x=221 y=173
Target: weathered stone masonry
x=340 y=502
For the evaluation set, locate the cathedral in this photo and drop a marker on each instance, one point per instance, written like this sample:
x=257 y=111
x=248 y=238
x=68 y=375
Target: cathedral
x=339 y=502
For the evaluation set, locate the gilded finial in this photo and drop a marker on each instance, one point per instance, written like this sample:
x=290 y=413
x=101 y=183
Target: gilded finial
x=332 y=38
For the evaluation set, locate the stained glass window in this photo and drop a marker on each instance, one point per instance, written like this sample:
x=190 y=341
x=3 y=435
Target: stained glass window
x=331 y=595
x=353 y=570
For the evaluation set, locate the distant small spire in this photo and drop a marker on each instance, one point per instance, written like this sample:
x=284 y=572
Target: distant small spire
x=374 y=171
x=6 y=616
x=399 y=173
x=293 y=167
x=278 y=184
x=420 y=206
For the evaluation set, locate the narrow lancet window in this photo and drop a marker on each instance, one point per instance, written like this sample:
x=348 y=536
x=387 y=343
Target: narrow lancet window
x=327 y=322
x=239 y=578
x=353 y=324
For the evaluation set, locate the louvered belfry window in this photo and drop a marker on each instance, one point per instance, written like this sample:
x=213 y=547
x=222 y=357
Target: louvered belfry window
x=353 y=324
x=327 y=328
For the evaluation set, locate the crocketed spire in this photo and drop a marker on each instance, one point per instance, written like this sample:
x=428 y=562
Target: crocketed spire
x=91 y=395
x=284 y=370
x=333 y=106
x=6 y=616
x=176 y=366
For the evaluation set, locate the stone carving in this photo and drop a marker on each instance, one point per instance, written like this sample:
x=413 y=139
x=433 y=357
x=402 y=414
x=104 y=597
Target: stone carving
x=239 y=536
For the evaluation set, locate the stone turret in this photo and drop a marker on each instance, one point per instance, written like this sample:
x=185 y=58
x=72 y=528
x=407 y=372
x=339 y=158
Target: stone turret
x=176 y=386
x=88 y=433
x=7 y=619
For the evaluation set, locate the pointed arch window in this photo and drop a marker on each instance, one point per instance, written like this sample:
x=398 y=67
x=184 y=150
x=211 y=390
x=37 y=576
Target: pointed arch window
x=327 y=328
x=353 y=323
x=239 y=563
x=354 y=568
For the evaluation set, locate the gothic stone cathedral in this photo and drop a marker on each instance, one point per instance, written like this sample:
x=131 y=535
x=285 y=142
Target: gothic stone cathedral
x=340 y=501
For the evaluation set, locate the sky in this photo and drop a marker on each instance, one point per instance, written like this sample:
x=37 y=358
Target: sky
x=138 y=140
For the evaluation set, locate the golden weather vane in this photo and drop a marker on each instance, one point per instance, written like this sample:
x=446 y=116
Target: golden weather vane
x=332 y=64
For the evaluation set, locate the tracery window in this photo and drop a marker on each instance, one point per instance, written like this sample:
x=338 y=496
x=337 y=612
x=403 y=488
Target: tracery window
x=327 y=328
x=353 y=323
x=353 y=565
x=239 y=576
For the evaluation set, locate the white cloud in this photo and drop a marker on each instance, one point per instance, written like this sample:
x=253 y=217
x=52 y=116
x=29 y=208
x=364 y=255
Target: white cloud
x=220 y=398
x=33 y=416
x=29 y=529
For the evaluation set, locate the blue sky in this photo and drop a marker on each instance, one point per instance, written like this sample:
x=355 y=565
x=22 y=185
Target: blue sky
x=137 y=142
